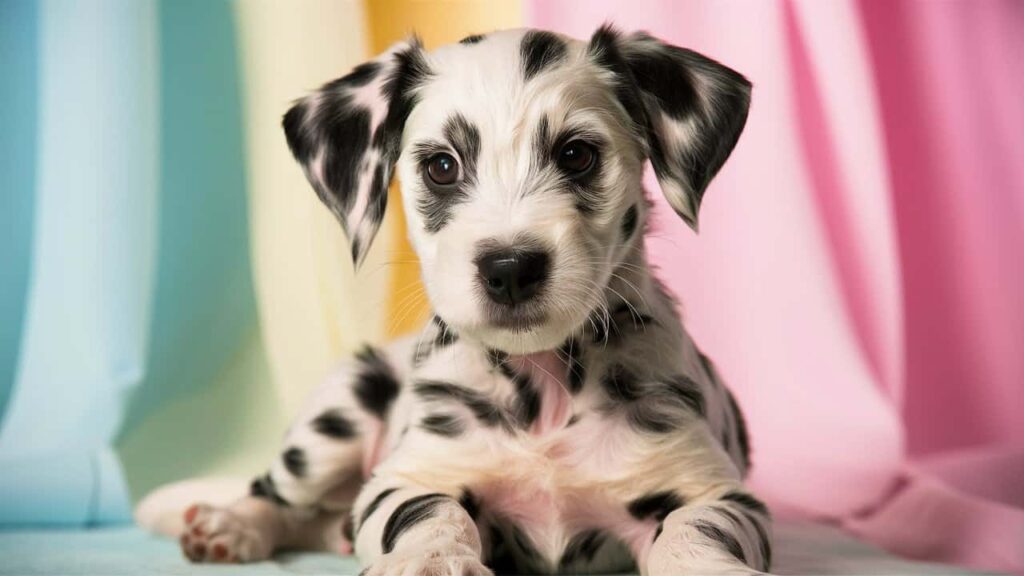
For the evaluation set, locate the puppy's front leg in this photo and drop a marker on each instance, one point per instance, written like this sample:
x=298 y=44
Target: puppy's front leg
x=727 y=533
x=403 y=529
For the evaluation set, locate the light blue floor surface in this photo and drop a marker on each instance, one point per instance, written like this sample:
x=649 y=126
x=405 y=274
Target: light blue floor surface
x=799 y=549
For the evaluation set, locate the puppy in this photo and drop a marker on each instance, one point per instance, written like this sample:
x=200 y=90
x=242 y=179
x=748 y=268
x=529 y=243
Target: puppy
x=554 y=416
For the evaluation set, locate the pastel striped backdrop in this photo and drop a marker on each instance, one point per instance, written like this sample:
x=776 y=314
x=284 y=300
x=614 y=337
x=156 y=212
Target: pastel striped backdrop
x=172 y=289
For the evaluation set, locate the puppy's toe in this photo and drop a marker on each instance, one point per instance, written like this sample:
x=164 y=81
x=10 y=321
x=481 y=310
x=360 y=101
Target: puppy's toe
x=220 y=536
x=443 y=560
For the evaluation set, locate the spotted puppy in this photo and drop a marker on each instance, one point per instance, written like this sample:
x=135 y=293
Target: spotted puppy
x=554 y=416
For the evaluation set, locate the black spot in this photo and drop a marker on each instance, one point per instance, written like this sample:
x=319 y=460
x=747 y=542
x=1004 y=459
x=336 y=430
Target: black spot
x=447 y=425
x=342 y=132
x=362 y=75
x=378 y=194
x=572 y=351
x=444 y=336
x=295 y=461
x=687 y=392
x=470 y=504
x=650 y=417
x=542 y=142
x=523 y=543
x=669 y=76
x=666 y=405
x=658 y=531
x=499 y=361
x=483 y=409
x=356 y=247
x=464 y=137
x=573 y=420
x=751 y=507
x=764 y=543
x=407 y=515
x=741 y=431
x=410 y=71
x=472 y=39
x=657 y=505
x=629 y=221
x=727 y=540
x=500 y=557
x=332 y=424
x=747 y=501
x=540 y=49
x=374 y=504
x=621 y=384
x=376 y=386
x=603 y=49
x=435 y=204
x=264 y=487
x=527 y=404
x=661 y=74
x=583 y=546
x=762 y=536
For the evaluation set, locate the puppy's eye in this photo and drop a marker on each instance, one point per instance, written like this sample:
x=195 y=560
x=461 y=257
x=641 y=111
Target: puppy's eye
x=576 y=157
x=443 y=169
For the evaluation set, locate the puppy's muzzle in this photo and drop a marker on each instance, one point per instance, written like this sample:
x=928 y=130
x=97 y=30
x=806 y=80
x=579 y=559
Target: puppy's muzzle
x=511 y=276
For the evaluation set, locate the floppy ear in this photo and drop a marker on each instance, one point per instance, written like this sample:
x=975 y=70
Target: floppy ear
x=348 y=134
x=690 y=108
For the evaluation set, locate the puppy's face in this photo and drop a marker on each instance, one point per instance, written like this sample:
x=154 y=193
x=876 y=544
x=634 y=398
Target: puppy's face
x=521 y=182
x=520 y=155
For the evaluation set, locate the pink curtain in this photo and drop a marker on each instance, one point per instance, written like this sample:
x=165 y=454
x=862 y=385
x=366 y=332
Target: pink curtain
x=859 y=274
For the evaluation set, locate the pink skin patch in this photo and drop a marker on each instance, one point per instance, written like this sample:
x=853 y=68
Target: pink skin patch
x=375 y=448
x=548 y=373
x=190 y=514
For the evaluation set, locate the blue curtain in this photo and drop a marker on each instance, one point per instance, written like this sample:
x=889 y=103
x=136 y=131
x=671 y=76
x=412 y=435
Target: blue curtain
x=126 y=276
x=18 y=54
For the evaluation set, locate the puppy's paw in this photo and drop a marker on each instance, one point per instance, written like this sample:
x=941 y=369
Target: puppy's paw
x=217 y=535
x=447 y=560
x=673 y=555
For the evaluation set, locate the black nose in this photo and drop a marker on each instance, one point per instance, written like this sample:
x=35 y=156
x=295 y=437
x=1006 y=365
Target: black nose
x=511 y=276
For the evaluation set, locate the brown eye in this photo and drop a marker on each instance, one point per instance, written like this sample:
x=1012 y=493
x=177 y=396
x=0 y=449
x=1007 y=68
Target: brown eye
x=576 y=157
x=443 y=169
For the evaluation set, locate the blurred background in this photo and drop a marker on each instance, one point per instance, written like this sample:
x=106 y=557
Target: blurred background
x=171 y=288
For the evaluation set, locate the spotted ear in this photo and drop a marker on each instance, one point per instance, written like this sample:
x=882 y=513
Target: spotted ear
x=690 y=109
x=347 y=136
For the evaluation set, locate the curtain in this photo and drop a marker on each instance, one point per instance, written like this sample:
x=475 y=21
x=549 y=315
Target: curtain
x=172 y=288
x=858 y=273
x=85 y=327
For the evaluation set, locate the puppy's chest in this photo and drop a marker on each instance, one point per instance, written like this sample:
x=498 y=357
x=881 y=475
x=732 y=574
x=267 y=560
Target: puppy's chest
x=547 y=505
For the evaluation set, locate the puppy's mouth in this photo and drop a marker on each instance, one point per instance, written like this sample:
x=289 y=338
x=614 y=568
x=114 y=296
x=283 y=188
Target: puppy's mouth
x=518 y=321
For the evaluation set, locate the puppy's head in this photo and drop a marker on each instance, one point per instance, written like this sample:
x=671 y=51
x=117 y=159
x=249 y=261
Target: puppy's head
x=521 y=156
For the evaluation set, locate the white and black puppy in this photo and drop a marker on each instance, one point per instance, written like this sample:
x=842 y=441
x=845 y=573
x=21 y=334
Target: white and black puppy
x=554 y=416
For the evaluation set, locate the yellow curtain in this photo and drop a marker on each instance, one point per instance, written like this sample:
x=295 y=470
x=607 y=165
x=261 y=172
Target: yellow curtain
x=312 y=307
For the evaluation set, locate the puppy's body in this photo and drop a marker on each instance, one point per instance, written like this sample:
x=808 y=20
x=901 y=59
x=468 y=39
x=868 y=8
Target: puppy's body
x=554 y=415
